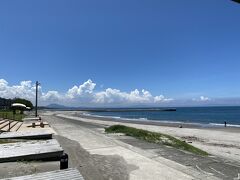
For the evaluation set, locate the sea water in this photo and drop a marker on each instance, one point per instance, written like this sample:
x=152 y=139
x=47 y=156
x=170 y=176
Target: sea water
x=203 y=115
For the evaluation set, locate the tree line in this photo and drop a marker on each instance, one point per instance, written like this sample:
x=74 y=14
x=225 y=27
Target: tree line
x=6 y=103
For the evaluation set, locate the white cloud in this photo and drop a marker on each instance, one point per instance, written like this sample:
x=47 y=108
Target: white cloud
x=162 y=98
x=110 y=96
x=25 y=89
x=51 y=96
x=84 y=89
x=202 y=99
x=3 y=85
x=81 y=95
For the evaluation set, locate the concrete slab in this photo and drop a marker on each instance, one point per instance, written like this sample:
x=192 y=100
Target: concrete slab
x=24 y=128
x=22 y=168
x=30 y=150
x=67 y=174
x=31 y=119
x=40 y=134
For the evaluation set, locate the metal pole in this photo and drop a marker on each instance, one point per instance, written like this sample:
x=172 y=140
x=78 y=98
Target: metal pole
x=36 y=114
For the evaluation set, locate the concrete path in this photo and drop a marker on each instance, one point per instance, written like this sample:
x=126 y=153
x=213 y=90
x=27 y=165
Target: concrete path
x=144 y=164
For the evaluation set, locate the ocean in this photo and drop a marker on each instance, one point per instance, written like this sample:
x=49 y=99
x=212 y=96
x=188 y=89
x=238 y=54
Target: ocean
x=202 y=115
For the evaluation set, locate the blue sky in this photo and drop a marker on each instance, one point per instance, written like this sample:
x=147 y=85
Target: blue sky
x=180 y=49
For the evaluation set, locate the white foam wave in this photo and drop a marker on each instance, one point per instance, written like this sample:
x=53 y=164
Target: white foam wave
x=228 y=125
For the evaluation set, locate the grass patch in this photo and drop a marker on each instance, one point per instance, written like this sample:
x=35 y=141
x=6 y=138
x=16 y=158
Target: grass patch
x=5 y=141
x=154 y=137
x=9 y=115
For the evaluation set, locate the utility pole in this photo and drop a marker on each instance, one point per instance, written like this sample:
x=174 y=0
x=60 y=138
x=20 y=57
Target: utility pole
x=36 y=105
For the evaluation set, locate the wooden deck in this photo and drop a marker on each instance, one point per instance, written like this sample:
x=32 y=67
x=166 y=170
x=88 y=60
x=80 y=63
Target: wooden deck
x=30 y=150
x=68 y=174
x=14 y=125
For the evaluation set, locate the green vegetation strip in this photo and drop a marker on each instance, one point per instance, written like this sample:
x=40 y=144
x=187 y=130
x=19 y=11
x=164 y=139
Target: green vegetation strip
x=5 y=141
x=154 y=137
x=10 y=115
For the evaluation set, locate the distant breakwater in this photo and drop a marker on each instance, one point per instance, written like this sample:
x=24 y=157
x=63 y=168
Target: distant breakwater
x=129 y=109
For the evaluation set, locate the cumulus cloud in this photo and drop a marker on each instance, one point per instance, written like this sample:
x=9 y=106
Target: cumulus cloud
x=51 y=96
x=24 y=89
x=84 y=89
x=202 y=99
x=134 y=97
x=81 y=95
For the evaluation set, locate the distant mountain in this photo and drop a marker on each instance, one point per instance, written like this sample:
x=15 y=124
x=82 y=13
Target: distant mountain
x=56 y=106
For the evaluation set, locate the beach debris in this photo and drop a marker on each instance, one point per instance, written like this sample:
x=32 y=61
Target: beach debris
x=192 y=138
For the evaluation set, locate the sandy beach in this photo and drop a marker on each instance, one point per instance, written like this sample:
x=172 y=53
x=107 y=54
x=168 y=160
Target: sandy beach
x=129 y=158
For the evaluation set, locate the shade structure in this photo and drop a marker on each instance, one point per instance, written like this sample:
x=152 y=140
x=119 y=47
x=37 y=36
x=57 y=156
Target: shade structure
x=19 y=105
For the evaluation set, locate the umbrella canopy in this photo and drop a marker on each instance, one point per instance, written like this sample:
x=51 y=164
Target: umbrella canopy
x=18 y=105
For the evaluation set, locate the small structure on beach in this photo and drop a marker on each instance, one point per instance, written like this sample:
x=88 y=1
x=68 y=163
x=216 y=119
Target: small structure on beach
x=18 y=106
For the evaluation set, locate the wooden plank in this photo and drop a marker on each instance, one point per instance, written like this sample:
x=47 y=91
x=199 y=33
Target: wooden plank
x=17 y=126
x=36 y=134
x=2 y=121
x=30 y=150
x=67 y=174
x=3 y=125
x=12 y=124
